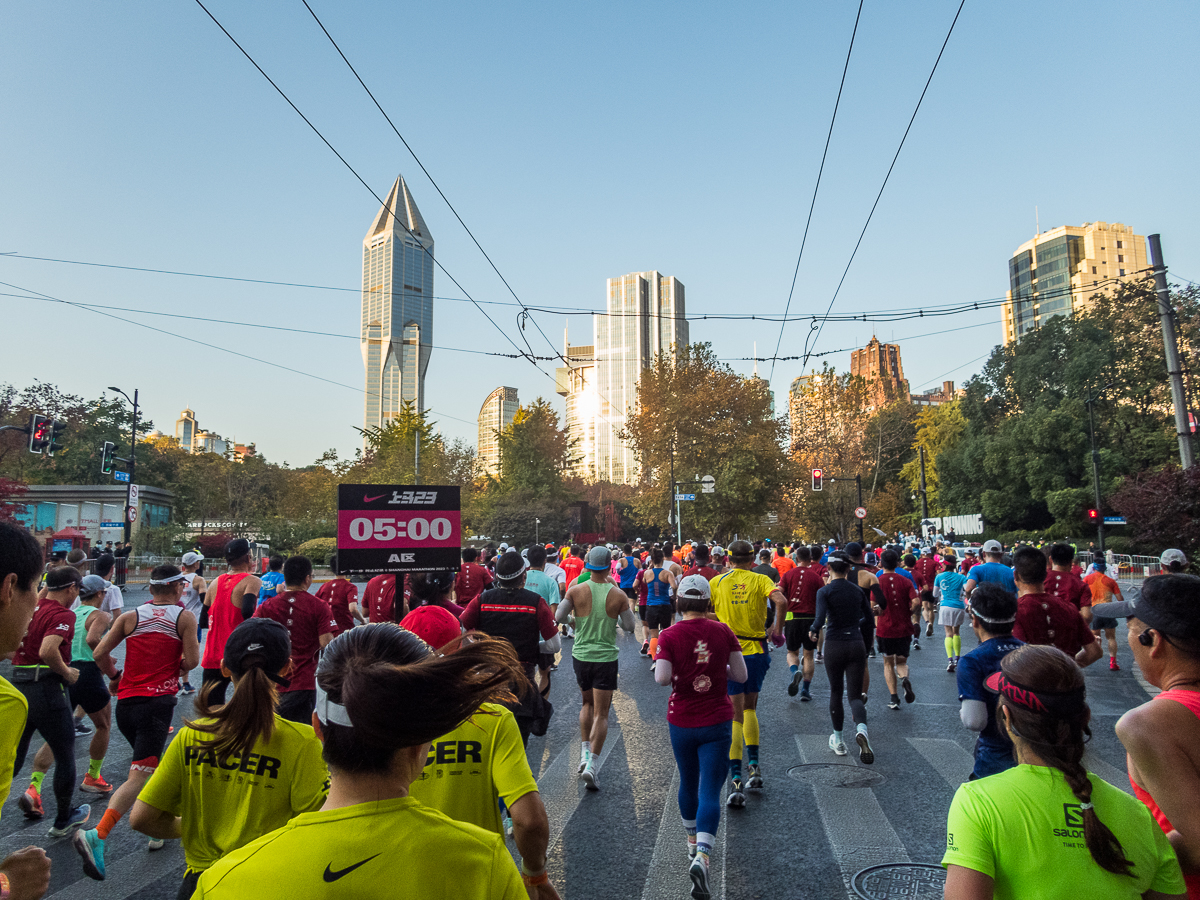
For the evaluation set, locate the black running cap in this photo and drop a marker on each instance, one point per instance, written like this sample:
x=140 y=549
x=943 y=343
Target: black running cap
x=236 y=549
x=259 y=642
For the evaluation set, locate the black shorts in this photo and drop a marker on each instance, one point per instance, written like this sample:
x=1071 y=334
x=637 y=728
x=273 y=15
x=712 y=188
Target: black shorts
x=145 y=722
x=630 y=592
x=545 y=661
x=297 y=706
x=895 y=646
x=1103 y=623
x=660 y=616
x=927 y=597
x=599 y=675
x=90 y=691
x=642 y=611
x=796 y=631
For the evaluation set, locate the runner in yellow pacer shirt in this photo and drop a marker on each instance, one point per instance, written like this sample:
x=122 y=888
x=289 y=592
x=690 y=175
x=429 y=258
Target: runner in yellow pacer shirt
x=382 y=698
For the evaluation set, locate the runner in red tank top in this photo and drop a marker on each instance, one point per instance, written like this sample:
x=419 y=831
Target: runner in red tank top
x=160 y=645
x=230 y=600
x=1162 y=737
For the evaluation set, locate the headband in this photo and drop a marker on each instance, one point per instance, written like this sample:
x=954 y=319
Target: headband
x=328 y=711
x=1065 y=704
x=983 y=618
x=178 y=577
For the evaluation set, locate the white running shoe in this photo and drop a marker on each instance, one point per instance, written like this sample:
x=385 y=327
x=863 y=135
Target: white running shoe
x=837 y=746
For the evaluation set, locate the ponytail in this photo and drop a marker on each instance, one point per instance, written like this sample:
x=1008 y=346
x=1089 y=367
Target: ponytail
x=247 y=719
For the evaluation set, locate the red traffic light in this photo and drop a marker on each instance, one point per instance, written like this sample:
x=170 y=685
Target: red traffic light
x=1093 y=515
x=817 y=479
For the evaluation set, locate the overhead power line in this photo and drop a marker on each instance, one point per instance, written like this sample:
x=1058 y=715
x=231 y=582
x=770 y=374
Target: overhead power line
x=816 y=187
x=886 y=177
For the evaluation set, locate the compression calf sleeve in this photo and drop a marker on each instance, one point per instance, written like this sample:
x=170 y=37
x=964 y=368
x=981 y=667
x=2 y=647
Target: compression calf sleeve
x=950 y=648
x=750 y=729
x=653 y=647
x=735 y=751
x=957 y=645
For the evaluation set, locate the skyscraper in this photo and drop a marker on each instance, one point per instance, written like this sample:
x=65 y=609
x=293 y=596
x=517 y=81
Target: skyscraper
x=1057 y=272
x=879 y=365
x=576 y=381
x=397 y=307
x=495 y=415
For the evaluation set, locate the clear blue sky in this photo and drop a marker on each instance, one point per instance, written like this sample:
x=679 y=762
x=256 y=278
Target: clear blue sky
x=579 y=142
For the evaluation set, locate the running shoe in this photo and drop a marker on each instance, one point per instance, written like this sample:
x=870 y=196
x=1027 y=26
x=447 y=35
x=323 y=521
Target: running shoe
x=553 y=667
x=645 y=651
x=82 y=727
x=916 y=644
x=820 y=656
x=95 y=785
x=805 y=696
x=838 y=747
x=872 y=653
x=754 y=782
x=187 y=688
x=89 y=845
x=1112 y=664
x=928 y=629
x=951 y=666
x=691 y=845
x=894 y=703
x=589 y=778
x=79 y=815
x=865 y=753
x=864 y=696
x=699 y=875
x=508 y=826
x=155 y=844
x=736 y=799
x=31 y=803
x=583 y=764
x=794 y=687
x=909 y=696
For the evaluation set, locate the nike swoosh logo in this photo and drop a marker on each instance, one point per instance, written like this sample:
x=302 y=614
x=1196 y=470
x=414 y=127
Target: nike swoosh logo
x=376 y=497
x=331 y=876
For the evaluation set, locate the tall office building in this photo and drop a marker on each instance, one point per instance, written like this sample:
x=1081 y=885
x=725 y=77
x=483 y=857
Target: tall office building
x=1058 y=272
x=576 y=381
x=397 y=307
x=879 y=364
x=646 y=317
x=495 y=415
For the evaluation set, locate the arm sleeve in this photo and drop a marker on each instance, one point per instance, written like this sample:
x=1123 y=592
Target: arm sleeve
x=878 y=596
x=973 y=714
x=546 y=621
x=968 y=835
x=565 y=608
x=248 y=605
x=937 y=588
x=822 y=612
x=626 y=619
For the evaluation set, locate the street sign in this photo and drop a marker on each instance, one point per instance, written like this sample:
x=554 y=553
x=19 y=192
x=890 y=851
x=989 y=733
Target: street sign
x=390 y=529
x=860 y=513
x=1114 y=520
x=685 y=496
x=133 y=495
x=708 y=484
x=121 y=476
x=133 y=514
x=112 y=525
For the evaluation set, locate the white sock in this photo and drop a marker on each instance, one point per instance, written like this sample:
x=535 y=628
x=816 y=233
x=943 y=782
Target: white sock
x=861 y=729
x=837 y=736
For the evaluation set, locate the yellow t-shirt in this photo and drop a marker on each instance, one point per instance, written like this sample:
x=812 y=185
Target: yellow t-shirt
x=386 y=850
x=473 y=766
x=740 y=598
x=227 y=805
x=14 y=710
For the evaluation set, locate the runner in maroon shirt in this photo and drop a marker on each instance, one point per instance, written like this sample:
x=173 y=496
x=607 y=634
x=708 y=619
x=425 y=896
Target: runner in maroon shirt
x=924 y=572
x=702 y=565
x=800 y=586
x=697 y=656
x=310 y=626
x=893 y=627
x=1042 y=619
x=379 y=600
x=1063 y=583
x=472 y=579
x=342 y=599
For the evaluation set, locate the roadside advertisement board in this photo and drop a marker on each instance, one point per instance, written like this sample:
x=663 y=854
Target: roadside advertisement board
x=385 y=529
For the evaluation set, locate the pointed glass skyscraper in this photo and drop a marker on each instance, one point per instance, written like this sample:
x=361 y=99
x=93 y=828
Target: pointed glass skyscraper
x=397 y=307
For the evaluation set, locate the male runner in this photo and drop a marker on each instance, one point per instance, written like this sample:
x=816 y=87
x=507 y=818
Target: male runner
x=800 y=586
x=160 y=644
x=1062 y=581
x=703 y=565
x=1041 y=619
x=341 y=596
x=1162 y=737
x=992 y=570
x=924 y=572
x=544 y=586
x=868 y=582
x=379 y=600
x=740 y=597
x=272 y=580
x=893 y=628
x=1102 y=590
x=193 y=601
x=598 y=606
x=627 y=570
x=310 y=626
x=230 y=601
x=472 y=579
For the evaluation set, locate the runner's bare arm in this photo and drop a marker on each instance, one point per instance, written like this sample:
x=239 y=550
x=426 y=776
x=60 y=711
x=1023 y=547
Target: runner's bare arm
x=737 y=667
x=51 y=655
x=121 y=629
x=967 y=884
x=780 y=602
x=154 y=822
x=186 y=627
x=97 y=624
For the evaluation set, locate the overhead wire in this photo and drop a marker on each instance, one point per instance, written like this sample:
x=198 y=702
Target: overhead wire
x=816 y=187
x=810 y=340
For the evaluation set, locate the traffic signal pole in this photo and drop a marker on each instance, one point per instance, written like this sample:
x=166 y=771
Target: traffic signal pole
x=1171 y=351
x=132 y=468
x=1091 y=402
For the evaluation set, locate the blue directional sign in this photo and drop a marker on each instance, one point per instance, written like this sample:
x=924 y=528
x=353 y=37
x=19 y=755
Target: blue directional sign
x=112 y=524
x=1114 y=520
x=121 y=476
x=685 y=496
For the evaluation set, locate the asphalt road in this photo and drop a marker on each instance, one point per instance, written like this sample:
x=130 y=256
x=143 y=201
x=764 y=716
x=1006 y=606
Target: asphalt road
x=819 y=822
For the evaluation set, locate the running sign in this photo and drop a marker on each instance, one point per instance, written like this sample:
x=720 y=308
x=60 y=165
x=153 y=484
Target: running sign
x=398 y=528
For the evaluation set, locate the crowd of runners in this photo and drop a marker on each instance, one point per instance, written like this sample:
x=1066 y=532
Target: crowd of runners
x=374 y=743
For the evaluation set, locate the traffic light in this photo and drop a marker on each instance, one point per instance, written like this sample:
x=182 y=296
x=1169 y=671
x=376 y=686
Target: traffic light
x=1093 y=515
x=39 y=433
x=57 y=428
x=106 y=458
x=818 y=479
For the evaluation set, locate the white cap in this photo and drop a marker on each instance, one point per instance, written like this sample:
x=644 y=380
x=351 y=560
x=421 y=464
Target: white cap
x=694 y=586
x=191 y=558
x=992 y=547
x=1172 y=556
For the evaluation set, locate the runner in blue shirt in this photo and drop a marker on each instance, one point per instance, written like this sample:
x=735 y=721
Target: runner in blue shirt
x=272 y=580
x=993 y=570
x=952 y=609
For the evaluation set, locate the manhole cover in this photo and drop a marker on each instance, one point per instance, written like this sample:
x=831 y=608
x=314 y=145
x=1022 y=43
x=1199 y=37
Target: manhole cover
x=835 y=775
x=918 y=881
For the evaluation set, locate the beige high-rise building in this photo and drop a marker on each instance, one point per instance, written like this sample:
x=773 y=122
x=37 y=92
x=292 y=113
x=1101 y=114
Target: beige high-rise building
x=1058 y=272
x=495 y=415
x=576 y=382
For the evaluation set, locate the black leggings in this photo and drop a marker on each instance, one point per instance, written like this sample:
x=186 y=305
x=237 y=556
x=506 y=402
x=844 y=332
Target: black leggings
x=50 y=716
x=222 y=683
x=846 y=660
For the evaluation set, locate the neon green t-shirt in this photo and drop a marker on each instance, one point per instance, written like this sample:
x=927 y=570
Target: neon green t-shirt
x=469 y=769
x=384 y=850
x=14 y=710
x=1024 y=828
x=740 y=598
x=226 y=806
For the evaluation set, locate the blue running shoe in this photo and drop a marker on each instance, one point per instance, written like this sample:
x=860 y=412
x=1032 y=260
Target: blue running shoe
x=90 y=846
x=79 y=815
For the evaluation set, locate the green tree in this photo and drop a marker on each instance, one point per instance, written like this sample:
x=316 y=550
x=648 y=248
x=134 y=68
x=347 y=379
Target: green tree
x=938 y=429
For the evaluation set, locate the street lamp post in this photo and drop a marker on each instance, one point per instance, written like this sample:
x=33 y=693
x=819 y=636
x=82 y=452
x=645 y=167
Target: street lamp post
x=536 y=523
x=132 y=459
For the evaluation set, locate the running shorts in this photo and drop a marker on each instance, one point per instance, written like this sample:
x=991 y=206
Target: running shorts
x=642 y=612
x=145 y=722
x=660 y=616
x=601 y=676
x=952 y=616
x=1100 y=623
x=630 y=592
x=545 y=661
x=89 y=691
x=894 y=646
x=796 y=632
x=756 y=669
x=927 y=597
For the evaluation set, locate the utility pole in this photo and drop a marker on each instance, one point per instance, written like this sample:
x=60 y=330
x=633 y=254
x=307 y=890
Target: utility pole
x=924 y=495
x=132 y=460
x=417 y=452
x=1171 y=350
x=1091 y=401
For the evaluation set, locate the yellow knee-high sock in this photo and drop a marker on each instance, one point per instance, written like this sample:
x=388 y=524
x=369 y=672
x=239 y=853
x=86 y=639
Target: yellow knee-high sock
x=957 y=644
x=750 y=728
x=735 y=747
x=949 y=648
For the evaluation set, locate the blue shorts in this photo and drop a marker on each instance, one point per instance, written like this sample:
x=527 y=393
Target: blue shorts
x=756 y=667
